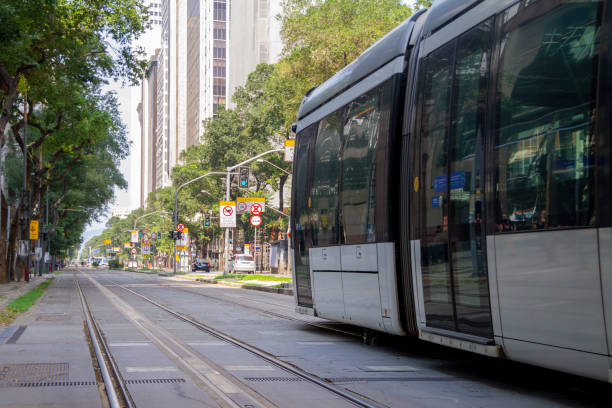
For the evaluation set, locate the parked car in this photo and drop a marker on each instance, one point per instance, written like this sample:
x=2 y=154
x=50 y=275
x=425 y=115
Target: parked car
x=200 y=265
x=243 y=263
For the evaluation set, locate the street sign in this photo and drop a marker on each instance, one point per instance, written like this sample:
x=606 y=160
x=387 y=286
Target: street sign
x=107 y=242
x=289 y=149
x=244 y=204
x=133 y=250
x=146 y=243
x=180 y=227
x=153 y=236
x=127 y=244
x=227 y=214
x=256 y=209
x=34 y=229
x=116 y=249
x=146 y=250
x=181 y=247
x=256 y=221
x=134 y=236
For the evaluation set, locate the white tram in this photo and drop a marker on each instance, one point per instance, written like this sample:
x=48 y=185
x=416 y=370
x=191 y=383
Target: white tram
x=453 y=183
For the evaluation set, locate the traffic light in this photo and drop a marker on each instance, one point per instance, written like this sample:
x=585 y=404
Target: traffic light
x=171 y=234
x=179 y=235
x=243 y=178
x=207 y=220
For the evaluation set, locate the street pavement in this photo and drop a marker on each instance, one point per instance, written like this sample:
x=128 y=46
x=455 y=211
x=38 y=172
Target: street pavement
x=165 y=361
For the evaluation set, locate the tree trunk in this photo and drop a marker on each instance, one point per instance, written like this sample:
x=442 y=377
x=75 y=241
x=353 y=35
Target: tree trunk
x=12 y=244
x=281 y=187
x=3 y=229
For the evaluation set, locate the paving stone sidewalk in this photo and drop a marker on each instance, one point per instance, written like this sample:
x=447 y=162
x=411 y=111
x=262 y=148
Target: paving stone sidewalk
x=12 y=290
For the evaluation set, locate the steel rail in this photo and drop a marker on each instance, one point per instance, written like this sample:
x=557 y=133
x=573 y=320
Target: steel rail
x=356 y=400
x=97 y=340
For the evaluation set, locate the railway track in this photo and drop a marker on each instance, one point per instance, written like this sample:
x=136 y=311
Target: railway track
x=213 y=377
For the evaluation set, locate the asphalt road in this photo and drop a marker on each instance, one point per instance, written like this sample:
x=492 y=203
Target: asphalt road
x=186 y=360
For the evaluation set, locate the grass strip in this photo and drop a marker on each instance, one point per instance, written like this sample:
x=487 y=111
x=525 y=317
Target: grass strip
x=25 y=301
x=22 y=303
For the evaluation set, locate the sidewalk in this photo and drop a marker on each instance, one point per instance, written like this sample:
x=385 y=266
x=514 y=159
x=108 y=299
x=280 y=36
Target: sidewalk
x=12 y=290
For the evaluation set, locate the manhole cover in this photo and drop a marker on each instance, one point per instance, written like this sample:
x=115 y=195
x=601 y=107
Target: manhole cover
x=53 y=317
x=32 y=373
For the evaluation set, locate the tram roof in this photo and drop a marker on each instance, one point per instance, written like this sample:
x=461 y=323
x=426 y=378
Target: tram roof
x=443 y=11
x=383 y=51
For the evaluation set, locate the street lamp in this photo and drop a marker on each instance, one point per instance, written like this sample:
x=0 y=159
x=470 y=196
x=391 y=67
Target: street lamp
x=274 y=165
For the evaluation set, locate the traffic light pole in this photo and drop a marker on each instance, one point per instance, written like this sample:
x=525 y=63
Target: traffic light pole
x=175 y=213
x=228 y=198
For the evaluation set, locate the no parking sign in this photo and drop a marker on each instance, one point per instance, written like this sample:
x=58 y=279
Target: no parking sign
x=227 y=214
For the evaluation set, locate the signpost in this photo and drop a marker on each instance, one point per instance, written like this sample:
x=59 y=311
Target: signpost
x=289 y=149
x=227 y=214
x=244 y=204
x=180 y=227
x=256 y=221
x=33 y=229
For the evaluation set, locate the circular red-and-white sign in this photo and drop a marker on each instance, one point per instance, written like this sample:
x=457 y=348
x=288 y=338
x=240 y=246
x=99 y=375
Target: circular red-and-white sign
x=256 y=220
x=241 y=206
x=133 y=250
x=228 y=211
x=180 y=226
x=256 y=209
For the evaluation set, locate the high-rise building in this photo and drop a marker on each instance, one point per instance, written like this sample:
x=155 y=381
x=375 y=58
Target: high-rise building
x=148 y=111
x=254 y=37
x=208 y=48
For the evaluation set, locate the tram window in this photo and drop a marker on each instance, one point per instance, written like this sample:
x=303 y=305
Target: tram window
x=324 y=194
x=301 y=214
x=358 y=198
x=545 y=140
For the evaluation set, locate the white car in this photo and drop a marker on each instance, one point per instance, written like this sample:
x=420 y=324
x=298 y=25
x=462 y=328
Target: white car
x=243 y=263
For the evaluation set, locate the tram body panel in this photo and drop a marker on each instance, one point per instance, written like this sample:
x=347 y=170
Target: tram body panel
x=327 y=288
x=556 y=358
x=549 y=287
x=605 y=263
x=494 y=291
x=387 y=279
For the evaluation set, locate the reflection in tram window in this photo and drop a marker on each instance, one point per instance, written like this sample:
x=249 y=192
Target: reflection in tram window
x=466 y=230
x=545 y=143
x=324 y=196
x=302 y=225
x=434 y=167
x=359 y=169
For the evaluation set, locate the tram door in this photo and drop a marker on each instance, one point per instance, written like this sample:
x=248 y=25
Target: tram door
x=450 y=184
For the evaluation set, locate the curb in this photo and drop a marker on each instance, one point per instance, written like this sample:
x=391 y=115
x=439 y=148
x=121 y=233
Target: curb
x=280 y=291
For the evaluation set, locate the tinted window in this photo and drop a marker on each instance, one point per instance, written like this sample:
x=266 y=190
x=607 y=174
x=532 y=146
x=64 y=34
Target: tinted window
x=324 y=193
x=545 y=143
x=359 y=169
x=302 y=237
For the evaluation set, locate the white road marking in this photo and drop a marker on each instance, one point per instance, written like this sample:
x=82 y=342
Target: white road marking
x=249 y=368
x=390 y=368
x=149 y=369
x=208 y=343
x=316 y=343
x=134 y=344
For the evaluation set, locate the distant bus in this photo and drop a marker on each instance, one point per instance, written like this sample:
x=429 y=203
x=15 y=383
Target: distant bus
x=453 y=183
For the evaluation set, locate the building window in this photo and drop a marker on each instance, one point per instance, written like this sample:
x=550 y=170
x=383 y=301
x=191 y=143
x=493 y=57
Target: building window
x=219 y=72
x=219 y=11
x=219 y=34
x=219 y=52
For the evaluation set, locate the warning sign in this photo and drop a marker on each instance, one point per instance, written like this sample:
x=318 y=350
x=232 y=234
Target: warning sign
x=227 y=214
